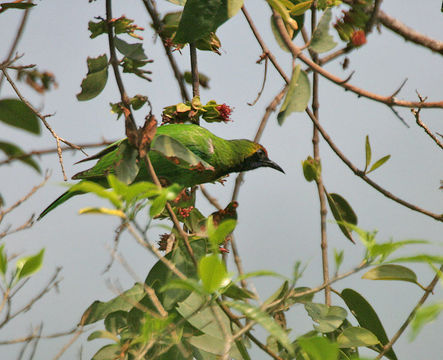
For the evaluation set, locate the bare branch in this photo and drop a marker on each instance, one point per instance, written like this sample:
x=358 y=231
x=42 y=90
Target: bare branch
x=150 y=7
x=11 y=159
x=410 y=34
x=411 y=316
x=361 y=174
x=388 y=100
x=43 y=119
x=423 y=125
x=18 y=35
x=24 y=198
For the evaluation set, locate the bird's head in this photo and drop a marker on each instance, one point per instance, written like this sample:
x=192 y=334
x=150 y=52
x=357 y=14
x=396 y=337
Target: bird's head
x=255 y=157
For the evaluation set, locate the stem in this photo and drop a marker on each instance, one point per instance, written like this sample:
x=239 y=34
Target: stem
x=411 y=316
x=16 y=40
x=158 y=28
x=319 y=180
x=194 y=70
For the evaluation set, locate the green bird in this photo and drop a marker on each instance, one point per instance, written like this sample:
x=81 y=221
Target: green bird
x=186 y=154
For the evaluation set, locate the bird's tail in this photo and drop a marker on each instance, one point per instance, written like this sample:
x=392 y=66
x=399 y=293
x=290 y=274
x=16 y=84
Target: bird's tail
x=60 y=200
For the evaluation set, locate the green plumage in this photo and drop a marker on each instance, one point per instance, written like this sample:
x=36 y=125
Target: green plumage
x=213 y=158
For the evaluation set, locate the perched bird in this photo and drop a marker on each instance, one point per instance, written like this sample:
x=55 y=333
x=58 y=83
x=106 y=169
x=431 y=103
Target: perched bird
x=185 y=154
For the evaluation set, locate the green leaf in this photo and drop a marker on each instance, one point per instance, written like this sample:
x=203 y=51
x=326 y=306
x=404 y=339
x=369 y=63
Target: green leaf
x=267 y=322
x=329 y=318
x=258 y=274
x=102 y=334
x=237 y=293
x=158 y=205
x=368 y=153
x=234 y=7
x=217 y=235
x=112 y=351
x=425 y=315
x=98 y=310
x=201 y=17
x=170 y=147
x=304 y=298
x=343 y=213
x=379 y=163
x=132 y=51
x=281 y=292
x=91 y=187
x=214 y=345
x=391 y=272
x=29 y=265
x=195 y=310
x=116 y=321
x=21 y=6
x=140 y=190
x=12 y=150
x=367 y=318
x=338 y=258
x=356 y=337
x=387 y=248
x=279 y=7
x=311 y=169
x=183 y=284
x=321 y=40
x=127 y=167
x=318 y=348
x=421 y=258
x=297 y=96
x=178 y=2
x=301 y=8
x=15 y=113
x=213 y=274
x=96 y=78
x=3 y=260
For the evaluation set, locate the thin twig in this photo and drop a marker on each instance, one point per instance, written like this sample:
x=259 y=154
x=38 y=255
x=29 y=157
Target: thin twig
x=269 y=110
x=388 y=100
x=319 y=178
x=53 y=282
x=24 y=198
x=52 y=151
x=361 y=174
x=170 y=265
x=171 y=212
x=114 y=63
x=265 y=75
x=263 y=46
x=43 y=119
x=69 y=343
x=373 y=17
x=423 y=125
x=429 y=290
x=409 y=34
x=31 y=337
x=257 y=342
x=158 y=28
x=212 y=200
x=194 y=70
x=16 y=40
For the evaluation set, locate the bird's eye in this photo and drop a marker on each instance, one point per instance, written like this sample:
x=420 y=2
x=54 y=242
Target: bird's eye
x=261 y=153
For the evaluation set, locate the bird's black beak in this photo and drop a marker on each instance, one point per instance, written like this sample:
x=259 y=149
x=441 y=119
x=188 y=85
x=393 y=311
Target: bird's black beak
x=271 y=164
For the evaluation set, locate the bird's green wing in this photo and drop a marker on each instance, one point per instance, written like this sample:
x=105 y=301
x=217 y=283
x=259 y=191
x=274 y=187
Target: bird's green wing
x=108 y=158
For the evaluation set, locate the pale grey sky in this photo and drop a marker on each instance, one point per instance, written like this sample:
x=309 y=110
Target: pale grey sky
x=278 y=214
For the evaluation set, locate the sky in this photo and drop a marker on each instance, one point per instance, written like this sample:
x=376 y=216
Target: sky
x=278 y=214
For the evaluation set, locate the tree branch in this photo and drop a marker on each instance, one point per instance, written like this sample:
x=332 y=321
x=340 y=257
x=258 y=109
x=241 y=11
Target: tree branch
x=361 y=174
x=158 y=28
x=411 y=316
x=387 y=100
x=410 y=34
